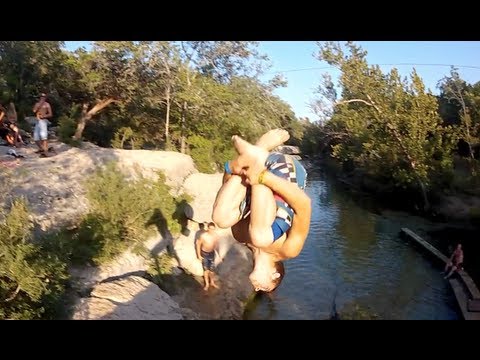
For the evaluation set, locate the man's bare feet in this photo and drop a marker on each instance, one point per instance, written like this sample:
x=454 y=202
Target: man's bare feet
x=215 y=285
x=205 y=287
x=250 y=155
x=273 y=138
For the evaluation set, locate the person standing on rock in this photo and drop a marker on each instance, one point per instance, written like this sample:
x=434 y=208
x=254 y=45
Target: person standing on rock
x=43 y=112
x=263 y=200
x=206 y=248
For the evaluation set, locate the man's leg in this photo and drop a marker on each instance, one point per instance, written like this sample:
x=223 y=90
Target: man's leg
x=447 y=266
x=273 y=138
x=263 y=212
x=226 y=209
x=212 y=279
x=263 y=206
x=206 y=277
x=454 y=268
x=44 y=136
x=36 y=136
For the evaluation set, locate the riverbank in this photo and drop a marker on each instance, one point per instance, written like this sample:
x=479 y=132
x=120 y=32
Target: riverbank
x=456 y=215
x=460 y=209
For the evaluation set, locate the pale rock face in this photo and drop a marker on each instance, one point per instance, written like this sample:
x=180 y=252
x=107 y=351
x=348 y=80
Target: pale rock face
x=204 y=188
x=232 y=268
x=130 y=298
x=126 y=263
x=55 y=190
x=54 y=186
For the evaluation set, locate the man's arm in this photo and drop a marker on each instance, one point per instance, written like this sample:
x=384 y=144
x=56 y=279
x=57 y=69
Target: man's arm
x=301 y=205
x=217 y=253
x=453 y=255
x=198 y=248
x=37 y=106
x=49 y=113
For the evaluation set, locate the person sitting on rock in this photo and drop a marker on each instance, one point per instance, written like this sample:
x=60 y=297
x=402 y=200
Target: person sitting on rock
x=7 y=132
x=11 y=115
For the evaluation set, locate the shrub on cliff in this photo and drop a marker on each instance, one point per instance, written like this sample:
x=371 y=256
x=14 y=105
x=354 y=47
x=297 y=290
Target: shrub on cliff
x=32 y=279
x=122 y=214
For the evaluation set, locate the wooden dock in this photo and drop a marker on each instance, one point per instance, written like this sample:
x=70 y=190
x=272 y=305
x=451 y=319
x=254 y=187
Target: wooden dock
x=464 y=288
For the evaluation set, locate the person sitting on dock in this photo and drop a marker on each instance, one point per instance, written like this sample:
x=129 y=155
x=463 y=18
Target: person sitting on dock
x=455 y=262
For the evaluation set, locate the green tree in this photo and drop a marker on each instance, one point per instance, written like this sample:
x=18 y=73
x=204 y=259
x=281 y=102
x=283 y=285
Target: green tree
x=162 y=63
x=390 y=126
x=220 y=60
x=462 y=100
x=109 y=74
x=30 y=67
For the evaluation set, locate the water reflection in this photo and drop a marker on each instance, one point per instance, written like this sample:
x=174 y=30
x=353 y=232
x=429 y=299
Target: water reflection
x=355 y=264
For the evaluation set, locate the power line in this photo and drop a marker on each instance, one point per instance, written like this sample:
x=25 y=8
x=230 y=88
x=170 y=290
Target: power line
x=448 y=65
x=398 y=64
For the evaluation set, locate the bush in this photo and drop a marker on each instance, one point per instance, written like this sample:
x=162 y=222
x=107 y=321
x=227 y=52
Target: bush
x=209 y=155
x=66 y=129
x=123 y=214
x=32 y=279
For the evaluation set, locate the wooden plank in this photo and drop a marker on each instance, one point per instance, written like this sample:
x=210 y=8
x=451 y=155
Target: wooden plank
x=425 y=244
x=473 y=305
x=463 y=286
x=470 y=284
x=462 y=299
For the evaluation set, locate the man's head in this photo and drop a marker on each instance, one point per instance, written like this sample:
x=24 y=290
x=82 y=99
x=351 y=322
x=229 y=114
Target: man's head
x=266 y=274
x=43 y=96
x=211 y=226
x=459 y=246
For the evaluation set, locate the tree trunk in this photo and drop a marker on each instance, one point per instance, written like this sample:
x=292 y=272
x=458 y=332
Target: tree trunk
x=470 y=150
x=426 y=203
x=88 y=114
x=122 y=142
x=167 y=118
x=81 y=123
x=183 y=142
x=19 y=89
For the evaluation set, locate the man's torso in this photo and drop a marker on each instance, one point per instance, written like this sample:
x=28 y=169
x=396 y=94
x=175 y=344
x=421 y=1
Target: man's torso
x=209 y=242
x=458 y=256
x=43 y=110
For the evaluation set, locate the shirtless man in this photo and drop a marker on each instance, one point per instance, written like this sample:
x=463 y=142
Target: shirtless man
x=262 y=199
x=455 y=261
x=43 y=112
x=206 y=248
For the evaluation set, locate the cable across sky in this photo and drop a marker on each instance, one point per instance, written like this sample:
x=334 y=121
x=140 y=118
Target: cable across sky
x=398 y=64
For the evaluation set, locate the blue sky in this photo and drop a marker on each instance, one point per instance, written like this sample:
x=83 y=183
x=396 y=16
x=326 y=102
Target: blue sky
x=296 y=59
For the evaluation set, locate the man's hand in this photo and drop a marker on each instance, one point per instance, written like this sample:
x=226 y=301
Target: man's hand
x=243 y=165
